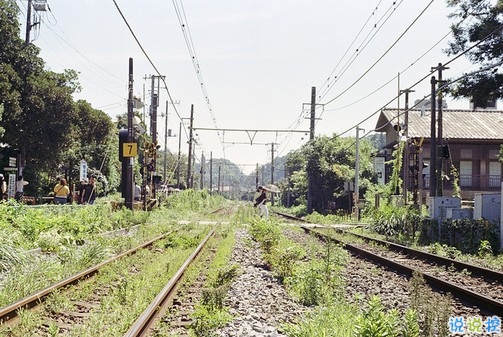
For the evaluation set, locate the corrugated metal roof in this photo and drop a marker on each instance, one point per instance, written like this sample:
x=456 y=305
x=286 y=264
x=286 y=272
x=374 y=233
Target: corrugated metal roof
x=457 y=124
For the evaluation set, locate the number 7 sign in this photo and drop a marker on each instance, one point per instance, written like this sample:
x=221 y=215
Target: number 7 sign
x=129 y=149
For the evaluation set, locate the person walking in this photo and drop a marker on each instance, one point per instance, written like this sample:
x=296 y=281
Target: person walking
x=61 y=192
x=3 y=187
x=260 y=202
x=20 y=184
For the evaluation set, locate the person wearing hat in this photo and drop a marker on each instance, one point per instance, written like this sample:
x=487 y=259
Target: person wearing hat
x=260 y=202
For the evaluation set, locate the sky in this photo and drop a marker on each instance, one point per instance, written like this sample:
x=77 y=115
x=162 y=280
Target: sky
x=250 y=64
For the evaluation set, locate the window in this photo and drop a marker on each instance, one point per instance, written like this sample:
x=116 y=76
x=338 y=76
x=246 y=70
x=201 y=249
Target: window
x=494 y=174
x=465 y=173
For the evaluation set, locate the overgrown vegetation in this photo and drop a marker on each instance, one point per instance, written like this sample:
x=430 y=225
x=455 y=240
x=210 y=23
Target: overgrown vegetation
x=40 y=246
x=317 y=282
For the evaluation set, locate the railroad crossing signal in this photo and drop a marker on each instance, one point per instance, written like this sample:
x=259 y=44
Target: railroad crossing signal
x=151 y=149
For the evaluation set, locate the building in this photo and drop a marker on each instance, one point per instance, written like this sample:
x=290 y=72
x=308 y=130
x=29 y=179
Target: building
x=471 y=141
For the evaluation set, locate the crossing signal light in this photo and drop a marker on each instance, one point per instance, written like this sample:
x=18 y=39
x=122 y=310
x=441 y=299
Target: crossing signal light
x=445 y=152
x=151 y=148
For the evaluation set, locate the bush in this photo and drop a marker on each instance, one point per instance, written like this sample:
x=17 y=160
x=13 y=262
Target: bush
x=466 y=235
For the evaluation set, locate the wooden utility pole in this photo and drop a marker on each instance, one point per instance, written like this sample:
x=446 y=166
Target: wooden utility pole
x=272 y=172
x=130 y=136
x=433 y=140
x=179 y=156
x=203 y=162
x=189 y=163
x=28 y=23
x=211 y=172
x=406 y=160
x=440 y=136
x=311 y=138
x=357 y=173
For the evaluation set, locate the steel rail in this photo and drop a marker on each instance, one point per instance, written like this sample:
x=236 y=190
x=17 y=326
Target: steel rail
x=412 y=252
x=483 y=302
x=147 y=318
x=440 y=260
x=9 y=312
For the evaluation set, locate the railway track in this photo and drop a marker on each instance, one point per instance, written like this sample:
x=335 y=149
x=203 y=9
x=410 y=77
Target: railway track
x=478 y=286
x=156 y=309
x=80 y=309
x=9 y=313
x=484 y=292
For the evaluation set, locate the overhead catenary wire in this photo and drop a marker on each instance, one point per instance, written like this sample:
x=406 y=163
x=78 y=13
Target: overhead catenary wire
x=301 y=116
x=426 y=76
x=370 y=36
x=152 y=64
x=184 y=24
x=382 y=56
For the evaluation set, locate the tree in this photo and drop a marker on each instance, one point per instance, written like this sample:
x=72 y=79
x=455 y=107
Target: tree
x=40 y=119
x=479 y=25
x=331 y=162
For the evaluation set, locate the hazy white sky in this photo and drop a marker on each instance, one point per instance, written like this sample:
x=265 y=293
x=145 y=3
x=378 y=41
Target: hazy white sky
x=257 y=60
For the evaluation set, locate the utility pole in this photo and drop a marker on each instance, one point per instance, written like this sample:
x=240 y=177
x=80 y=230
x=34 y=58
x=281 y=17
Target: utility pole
x=406 y=160
x=211 y=172
x=153 y=125
x=311 y=138
x=130 y=136
x=256 y=177
x=433 y=140
x=179 y=156
x=167 y=133
x=28 y=23
x=203 y=160
x=357 y=172
x=165 y=146
x=440 y=137
x=272 y=171
x=189 y=164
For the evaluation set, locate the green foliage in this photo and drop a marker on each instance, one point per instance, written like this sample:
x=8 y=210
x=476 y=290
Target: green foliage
x=10 y=255
x=213 y=298
x=264 y=232
x=390 y=220
x=456 y=189
x=395 y=182
x=192 y=200
x=466 y=235
x=318 y=218
x=485 y=249
x=319 y=281
x=40 y=118
x=283 y=258
x=330 y=162
x=475 y=22
x=225 y=275
x=431 y=309
x=410 y=327
x=307 y=285
x=336 y=319
x=182 y=241
x=206 y=320
x=374 y=322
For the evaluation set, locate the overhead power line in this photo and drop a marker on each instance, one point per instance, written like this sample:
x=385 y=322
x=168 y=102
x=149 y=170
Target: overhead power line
x=184 y=24
x=381 y=57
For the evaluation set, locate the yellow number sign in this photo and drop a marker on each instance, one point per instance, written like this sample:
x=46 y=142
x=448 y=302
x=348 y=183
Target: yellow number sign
x=129 y=149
